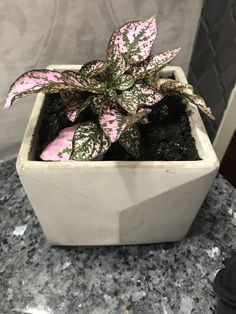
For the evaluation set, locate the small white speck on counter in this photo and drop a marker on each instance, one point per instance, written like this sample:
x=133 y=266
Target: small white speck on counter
x=66 y=265
x=234 y=219
x=19 y=230
x=138 y=296
x=214 y=252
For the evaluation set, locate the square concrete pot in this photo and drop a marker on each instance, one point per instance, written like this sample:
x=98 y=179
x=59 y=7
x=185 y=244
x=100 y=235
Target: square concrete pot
x=116 y=202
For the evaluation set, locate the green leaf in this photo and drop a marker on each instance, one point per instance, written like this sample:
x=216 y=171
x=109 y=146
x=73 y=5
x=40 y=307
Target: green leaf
x=89 y=142
x=124 y=82
x=130 y=141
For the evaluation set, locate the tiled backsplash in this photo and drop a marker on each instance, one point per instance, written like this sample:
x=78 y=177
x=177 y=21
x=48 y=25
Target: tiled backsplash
x=213 y=65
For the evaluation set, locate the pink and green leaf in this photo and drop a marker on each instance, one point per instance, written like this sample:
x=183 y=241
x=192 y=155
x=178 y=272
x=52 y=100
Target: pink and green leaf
x=96 y=103
x=33 y=82
x=134 y=39
x=153 y=64
x=93 y=68
x=77 y=81
x=60 y=148
x=74 y=103
x=130 y=141
x=124 y=82
x=159 y=61
x=89 y=142
x=172 y=87
x=112 y=122
x=200 y=103
x=116 y=63
x=140 y=94
x=140 y=116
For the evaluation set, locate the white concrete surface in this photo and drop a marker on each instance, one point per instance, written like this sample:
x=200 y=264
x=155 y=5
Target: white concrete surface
x=116 y=202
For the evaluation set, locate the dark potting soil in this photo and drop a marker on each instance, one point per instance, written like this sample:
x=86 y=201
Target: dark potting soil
x=166 y=137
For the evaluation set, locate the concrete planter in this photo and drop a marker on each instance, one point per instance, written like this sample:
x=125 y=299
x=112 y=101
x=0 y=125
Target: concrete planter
x=116 y=202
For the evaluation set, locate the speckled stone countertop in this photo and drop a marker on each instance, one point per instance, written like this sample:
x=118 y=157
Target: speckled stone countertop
x=171 y=278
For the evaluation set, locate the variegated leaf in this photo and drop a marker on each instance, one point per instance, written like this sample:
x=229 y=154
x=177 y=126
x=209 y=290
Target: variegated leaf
x=35 y=81
x=159 y=61
x=153 y=64
x=130 y=141
x=97 y=102
x=200 y=103
x=111 y=95
x=168 y=86
x=100 y=101
x=116 y=64
x=93 y=68
x=74 y=103
x=150 y=79
x=61 y=147
x=112 y=123
x=134 y=39
x=77 y=81
x=124 y=82
x=139 y=116
x=137 y=69
x=89 y=142
x=139 y=95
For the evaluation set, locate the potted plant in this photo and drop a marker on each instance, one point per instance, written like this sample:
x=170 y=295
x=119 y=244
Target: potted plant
x=118 y=153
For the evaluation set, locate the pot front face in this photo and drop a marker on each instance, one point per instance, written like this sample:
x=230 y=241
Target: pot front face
x=115 y=205
x=112 y=203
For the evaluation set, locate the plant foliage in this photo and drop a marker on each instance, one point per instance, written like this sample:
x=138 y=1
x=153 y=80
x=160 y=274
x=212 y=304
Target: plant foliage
x=122 y=89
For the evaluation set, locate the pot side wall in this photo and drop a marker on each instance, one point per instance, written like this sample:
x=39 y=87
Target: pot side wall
x=115 y=202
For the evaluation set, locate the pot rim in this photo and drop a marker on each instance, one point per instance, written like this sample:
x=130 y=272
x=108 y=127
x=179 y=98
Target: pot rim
x=203 y=144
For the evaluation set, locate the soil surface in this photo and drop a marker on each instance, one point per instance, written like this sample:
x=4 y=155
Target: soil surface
x=166 y=137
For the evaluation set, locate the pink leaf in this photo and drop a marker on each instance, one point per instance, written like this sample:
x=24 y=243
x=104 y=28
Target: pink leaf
x=35 y=81
x=112 y=123
x=134 y=39
x=148 y=95
x=89 y=142
x=76 y=80
x=61 y=147
x=93 y=68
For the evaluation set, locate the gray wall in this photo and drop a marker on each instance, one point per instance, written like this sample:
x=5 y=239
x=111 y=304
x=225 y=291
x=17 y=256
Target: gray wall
x=36 y=33
x=213 y=65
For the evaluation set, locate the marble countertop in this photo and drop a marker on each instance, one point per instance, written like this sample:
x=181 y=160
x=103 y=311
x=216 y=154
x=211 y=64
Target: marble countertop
x=173 y=278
